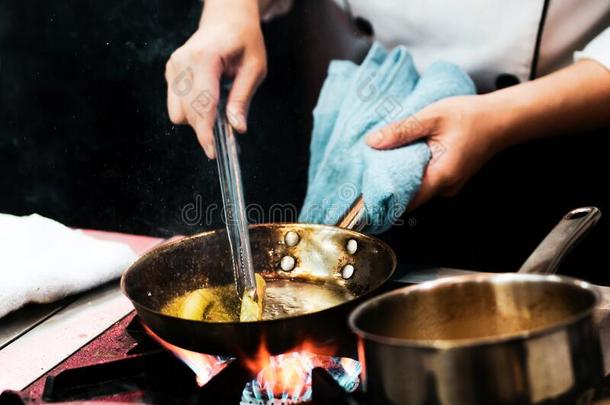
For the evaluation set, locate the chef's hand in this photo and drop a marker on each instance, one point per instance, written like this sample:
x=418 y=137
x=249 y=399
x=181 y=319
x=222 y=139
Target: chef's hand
x=461 y=138
x=465 y=132
x=229 y=43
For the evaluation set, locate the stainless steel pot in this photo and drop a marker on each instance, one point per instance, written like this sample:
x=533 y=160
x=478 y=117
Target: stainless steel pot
x=486 y=338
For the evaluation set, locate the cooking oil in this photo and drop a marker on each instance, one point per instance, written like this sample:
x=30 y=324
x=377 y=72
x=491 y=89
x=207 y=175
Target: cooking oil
x=283 y=298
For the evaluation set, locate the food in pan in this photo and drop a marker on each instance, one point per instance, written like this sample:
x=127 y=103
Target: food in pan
x=252 y=307
x=196 y=304
x=281 y=299
x=215 y=304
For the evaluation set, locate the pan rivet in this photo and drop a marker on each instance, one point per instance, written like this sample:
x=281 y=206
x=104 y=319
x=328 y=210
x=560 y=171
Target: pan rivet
x=291 y=238
x=351 y=246
x=347 y=271
x=287 y=263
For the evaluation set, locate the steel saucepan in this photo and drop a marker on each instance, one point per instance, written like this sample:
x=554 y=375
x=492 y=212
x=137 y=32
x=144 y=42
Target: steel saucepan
x=486 y=338
x=336 y=259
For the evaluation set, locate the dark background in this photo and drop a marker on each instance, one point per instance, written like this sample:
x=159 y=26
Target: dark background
x=85 y=137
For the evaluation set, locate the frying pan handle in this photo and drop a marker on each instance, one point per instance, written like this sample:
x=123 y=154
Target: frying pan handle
x=566 y=234
x=355 y=217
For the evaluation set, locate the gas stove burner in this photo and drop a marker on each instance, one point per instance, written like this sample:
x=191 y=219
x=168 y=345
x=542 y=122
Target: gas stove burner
x=287 y=378
x=282 y=379
x=126 y=365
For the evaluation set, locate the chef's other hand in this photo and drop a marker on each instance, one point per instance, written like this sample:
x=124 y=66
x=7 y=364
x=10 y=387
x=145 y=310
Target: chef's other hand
x=464 y=132
x=461 y=139
x=228 y=43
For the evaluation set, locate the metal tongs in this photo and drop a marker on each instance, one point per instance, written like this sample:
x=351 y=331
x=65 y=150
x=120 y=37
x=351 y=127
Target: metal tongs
x=235 y=212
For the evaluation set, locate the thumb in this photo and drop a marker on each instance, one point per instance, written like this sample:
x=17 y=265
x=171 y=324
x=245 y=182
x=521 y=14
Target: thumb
x=244 y=86
x=402 y=132
x=441 y=177
x=430 y=185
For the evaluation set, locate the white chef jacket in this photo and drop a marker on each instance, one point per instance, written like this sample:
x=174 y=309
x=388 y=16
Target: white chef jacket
x=498 y=42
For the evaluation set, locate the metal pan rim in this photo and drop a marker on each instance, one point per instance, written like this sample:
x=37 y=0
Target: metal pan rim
x=171 y=244
x=452 y=344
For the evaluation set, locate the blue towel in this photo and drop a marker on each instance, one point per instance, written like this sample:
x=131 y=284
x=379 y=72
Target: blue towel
x=355 y=100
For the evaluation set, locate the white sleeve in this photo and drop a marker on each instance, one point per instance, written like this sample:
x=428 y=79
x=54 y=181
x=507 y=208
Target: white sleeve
x=597 y=50
x=272 y=8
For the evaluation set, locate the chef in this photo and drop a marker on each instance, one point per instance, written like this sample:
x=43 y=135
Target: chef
x=542 y=68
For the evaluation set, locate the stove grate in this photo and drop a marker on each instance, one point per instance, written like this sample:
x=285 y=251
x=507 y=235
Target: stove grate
x=150 y=370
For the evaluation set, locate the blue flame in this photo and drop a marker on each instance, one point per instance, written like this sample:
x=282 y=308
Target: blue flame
x=344 y=370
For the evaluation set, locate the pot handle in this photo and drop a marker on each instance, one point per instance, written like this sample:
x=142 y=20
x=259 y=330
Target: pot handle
x=567 y=233
x=354 y=218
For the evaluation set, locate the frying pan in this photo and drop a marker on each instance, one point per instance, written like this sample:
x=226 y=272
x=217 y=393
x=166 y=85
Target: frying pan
x=338 y=257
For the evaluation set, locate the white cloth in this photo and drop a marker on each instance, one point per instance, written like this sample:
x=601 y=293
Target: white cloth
x=42 y=261
x=488 y=38
x=598 y=49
